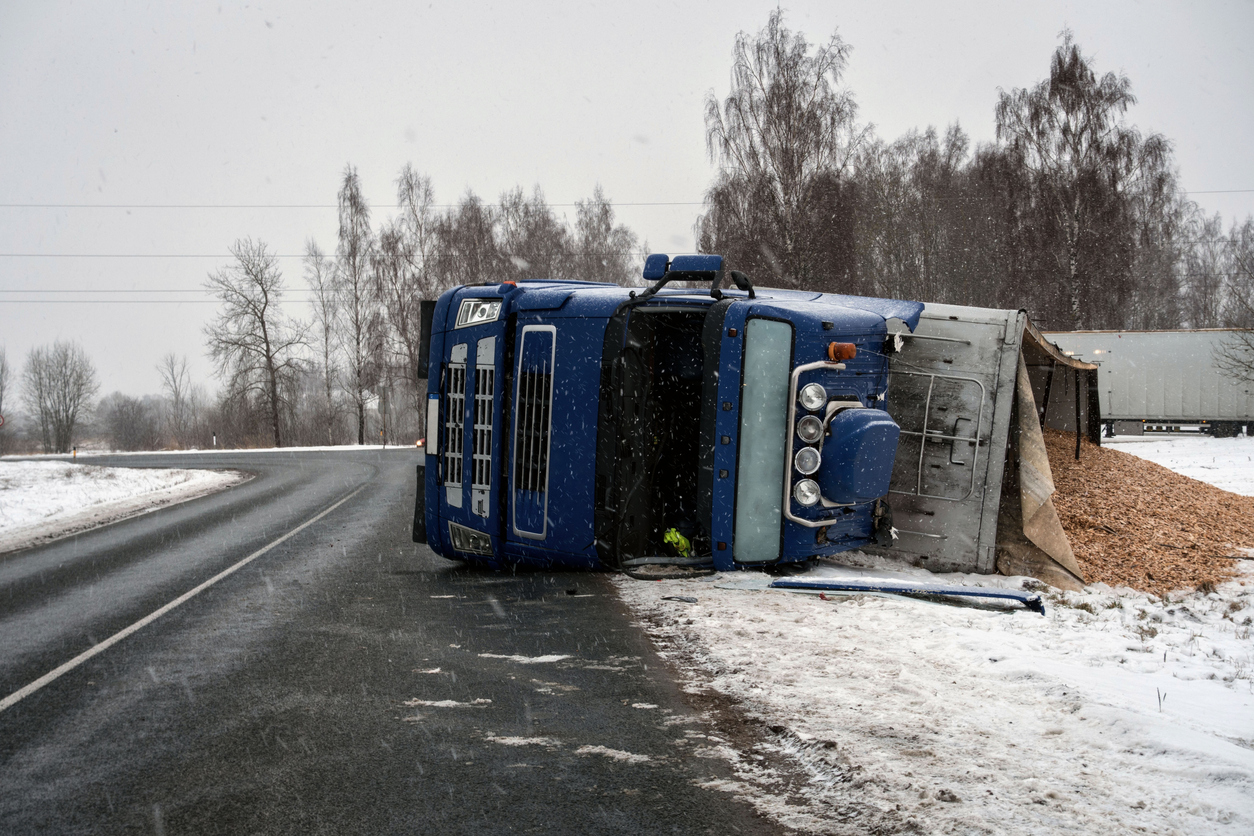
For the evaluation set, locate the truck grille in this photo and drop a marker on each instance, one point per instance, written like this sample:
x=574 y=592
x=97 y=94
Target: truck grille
x=481 y=452
x=454 y=415
x=531 y=439
x=533 y=419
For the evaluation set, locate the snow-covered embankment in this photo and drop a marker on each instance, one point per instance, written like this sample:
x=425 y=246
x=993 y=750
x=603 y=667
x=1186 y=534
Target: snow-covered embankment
x=42 y=501
x=1117 y=712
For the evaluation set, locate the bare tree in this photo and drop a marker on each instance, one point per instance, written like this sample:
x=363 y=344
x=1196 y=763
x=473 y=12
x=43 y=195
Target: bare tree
x=604 y=251
x=360 y=318
x=131 y=423
x=320 y=276
x=417 y=226
x=1068 y=134
x=4 y=386
x=1236 y=355
x=176 y=383
x=1205 y=264
x=782 y=139
x=400 y=322
x=467 y=250
x=537 y=244
x=253 y=344
x=58 y=384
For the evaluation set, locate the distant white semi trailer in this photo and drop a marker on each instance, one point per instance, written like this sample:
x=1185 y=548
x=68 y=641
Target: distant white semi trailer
x=1163 y=381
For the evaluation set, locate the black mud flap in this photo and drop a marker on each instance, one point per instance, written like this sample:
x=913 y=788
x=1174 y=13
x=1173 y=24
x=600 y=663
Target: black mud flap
x=884 y=535
x=420 y=507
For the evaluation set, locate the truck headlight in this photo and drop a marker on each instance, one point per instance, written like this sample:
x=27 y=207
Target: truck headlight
x=468 y=540
x=477 y=312
x=807 y=460
x=806 y=492
x=813 y=396
x=810 y=429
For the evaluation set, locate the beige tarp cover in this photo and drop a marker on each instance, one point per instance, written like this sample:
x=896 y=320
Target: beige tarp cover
x=1030 y=538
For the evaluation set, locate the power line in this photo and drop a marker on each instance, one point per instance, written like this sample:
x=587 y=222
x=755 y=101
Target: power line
x=126 y=290
x=391 y=206
x=296 y=205
x=111 y=302
x=227 y=255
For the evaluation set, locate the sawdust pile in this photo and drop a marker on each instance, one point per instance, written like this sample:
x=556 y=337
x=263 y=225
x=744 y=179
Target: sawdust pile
x=1135 y=523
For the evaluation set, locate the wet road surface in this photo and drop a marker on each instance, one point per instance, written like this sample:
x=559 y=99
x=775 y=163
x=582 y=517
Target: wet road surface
x=344 y=681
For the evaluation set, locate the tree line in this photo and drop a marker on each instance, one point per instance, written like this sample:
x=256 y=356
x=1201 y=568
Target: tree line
x=351 y=369
x=346 y=369
x=1070 y=212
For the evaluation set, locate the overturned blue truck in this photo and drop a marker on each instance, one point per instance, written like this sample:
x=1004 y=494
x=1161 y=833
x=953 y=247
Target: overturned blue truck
x=589 y=425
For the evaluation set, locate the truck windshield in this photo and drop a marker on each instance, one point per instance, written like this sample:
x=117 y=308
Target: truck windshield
x=763 y=437
x=649 y=429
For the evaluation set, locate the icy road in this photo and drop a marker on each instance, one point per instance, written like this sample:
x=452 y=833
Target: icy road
x=335 y=678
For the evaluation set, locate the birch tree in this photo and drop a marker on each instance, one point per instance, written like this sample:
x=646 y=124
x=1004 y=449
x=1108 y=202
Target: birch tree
x=604 y=251
x=320 y=276
x=360 y=318
x=783 y=140
x=1236 y=355
x=1083 y=162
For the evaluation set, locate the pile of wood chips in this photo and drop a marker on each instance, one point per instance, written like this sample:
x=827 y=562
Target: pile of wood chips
x=1135 y=523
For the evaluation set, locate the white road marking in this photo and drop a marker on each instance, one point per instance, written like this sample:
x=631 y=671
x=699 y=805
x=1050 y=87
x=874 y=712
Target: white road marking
x=53 y=675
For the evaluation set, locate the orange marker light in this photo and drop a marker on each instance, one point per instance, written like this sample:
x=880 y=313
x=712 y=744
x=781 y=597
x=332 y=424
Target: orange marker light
x=841 y=351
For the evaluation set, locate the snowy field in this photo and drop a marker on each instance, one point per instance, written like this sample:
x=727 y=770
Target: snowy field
x=1117 y=712
x=44 y=500
x=1226 y=463
x=338 y=448
x=1114 y=713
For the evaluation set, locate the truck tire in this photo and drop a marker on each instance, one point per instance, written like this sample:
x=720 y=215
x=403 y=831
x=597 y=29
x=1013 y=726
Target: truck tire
x=1225 y=429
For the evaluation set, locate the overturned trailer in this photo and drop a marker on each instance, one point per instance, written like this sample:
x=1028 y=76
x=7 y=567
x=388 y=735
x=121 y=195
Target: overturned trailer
x=971 y=389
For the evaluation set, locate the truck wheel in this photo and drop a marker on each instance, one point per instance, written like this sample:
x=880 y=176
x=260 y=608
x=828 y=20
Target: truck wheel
x=1225 y=429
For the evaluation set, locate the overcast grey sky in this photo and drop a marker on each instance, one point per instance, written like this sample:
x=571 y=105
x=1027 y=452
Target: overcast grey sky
x=113 y=113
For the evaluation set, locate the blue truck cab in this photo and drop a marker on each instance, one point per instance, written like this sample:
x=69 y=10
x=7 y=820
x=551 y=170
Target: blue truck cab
x=589 y=425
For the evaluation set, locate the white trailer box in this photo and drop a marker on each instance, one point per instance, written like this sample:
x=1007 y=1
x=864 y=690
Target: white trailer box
x=1149 y=379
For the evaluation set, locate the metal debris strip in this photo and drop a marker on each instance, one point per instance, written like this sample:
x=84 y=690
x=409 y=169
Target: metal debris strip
x=1030 y=600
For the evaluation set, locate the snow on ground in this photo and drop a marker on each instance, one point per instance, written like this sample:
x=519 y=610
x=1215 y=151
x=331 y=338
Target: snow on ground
x=337 y=448
x=1116 y=712
x=1226 y=463
x=44 y=500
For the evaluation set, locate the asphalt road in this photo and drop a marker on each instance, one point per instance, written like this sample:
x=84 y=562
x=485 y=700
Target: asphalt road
x=345 y=681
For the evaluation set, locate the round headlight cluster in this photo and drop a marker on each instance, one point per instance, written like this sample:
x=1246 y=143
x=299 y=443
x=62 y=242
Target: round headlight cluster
x=807 y=460
x=810 y=429
x=813 y=396
x=806 y=492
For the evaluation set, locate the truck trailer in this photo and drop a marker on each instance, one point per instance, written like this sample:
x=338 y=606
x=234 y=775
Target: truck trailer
x=1164 y=381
